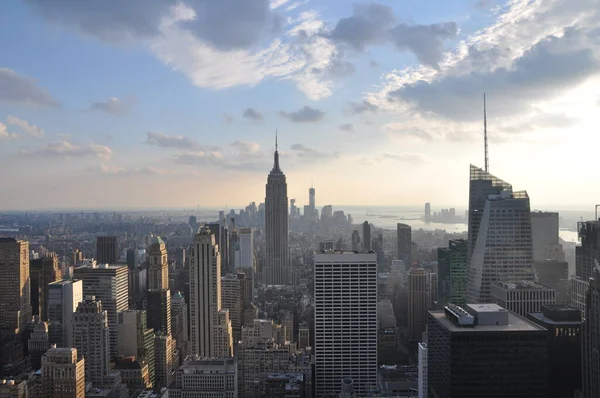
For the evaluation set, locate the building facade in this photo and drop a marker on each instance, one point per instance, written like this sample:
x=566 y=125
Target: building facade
x=43 y=271
x=366 y=230
x=591 y=338
x=417 y=303
x=246 y=248
x=63 y=374
x=63 y=298
x=136 y=339
x=404 y=243
x=422 y=350
x=107 y=250
x=345 y=286
x=15 y=299
x=522 y=297
x=179 y=324
x=452 y=273
x=205 y=378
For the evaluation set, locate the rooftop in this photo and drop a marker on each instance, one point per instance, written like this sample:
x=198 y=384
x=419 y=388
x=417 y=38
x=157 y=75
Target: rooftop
x=515 y=322
x=521 y=285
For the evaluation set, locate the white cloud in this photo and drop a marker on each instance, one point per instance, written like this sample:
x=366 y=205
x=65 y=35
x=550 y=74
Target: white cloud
x=174 y=141
x=5 y=134
x=66 y=149
x=122 y=171
x=25 y=126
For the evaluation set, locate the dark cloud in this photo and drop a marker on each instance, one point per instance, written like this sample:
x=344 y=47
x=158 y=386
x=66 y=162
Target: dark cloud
x=19 y=89
x=253 y=114
x=542 y=73
x=375 y=24
x=347 y=127
x=112 y=106
x=356 y=108
x=65 y=149
x=176 y=141
x=340 y=66
x=304 y=115
x=225 y=24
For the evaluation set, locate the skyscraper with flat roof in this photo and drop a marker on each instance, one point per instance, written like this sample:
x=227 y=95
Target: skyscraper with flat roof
x=404 y=243
x=277 y=268
x=417 y=303
x=246 y=248
x=345 y=285
x=15 y=299
x=452 y=273
x=366 y=230
x=43 y=271
x=107 y=250
x=63 y=298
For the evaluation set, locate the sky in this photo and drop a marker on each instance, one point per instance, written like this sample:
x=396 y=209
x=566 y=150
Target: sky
x=157 y=103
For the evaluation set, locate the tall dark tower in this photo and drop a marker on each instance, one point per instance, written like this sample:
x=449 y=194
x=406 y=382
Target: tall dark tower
x=276 y=270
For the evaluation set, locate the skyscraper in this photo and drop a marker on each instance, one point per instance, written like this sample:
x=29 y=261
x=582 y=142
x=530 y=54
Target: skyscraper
x=404 y=243
x=109 y=284
x=591 y=338
x=452 y=273
x=179 y=324
x=355 y=240
x=209 y=323
x=63 y=298
x=231 y=299
x=588 y=253
x=417 y=303
x=164 y=348
x=158 y=296
x=63 y=374
x=136 y=339
x=427 y=217
x=366 y=229
x=107 y=250
x=544 y=234
x=276 y=270
x=311 y=199
x=43 y=271
x=246 y=248
x=503 y=249
x=15 y=301
x=91 y=339
x=345 y=321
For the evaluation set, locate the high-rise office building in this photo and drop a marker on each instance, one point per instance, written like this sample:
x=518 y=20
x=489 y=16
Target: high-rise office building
x=210 y=328
x=43 y=271
x=591 y=338
x=231 y=299
x=452 y=273
x=63 y=374
x=136 y=339
x=588 y=253
x=355 y=241
x=221 y=233
x=522 y=297
x=91 y=339
x=109 y=284
x=107 y=250
x=311 y=198
x=427 y=216
x=483 y=350
x=423 y=370
x=366 y=230
x=158 y=295
x=246 y=248
x=554 y=274
x=179 y=324
x=503 y=250
x=345 y=321
x=404 y=243
x=206 y=377
x=417 y=303
x=563 y=324
x=544 y=234
x=276 y=269
x=15 y=300
x=63 y=298
x=326 y=212
x=577 y=291
x=164 y=349
x=38 y=344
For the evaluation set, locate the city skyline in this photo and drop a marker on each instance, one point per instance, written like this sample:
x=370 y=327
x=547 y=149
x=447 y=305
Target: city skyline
x=169 y=98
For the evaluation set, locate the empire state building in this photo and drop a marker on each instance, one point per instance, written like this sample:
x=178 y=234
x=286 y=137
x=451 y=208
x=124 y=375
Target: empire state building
x=276 y=270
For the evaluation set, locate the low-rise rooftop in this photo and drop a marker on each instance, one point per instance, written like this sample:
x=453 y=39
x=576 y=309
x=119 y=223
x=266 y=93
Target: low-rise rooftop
x=521 y=285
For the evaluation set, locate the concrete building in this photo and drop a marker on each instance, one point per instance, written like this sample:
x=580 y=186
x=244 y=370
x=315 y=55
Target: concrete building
x=563 y=324
x=588 y=253
x=554 y=274
x=164 y=352
x=423 y=370
x=63 y=374
x=544 y=233
x=109 y=284
x=522 y=297
x=345 y=289
x=417 y=303
x=386 y=315
x=38 y=344
x=231 y=299
x=107 y=250
x=14 y=388
x=205 y=378
x=355 y=241
x=91 y=339
x=210 y=327
x=452 y=273
x=134 y=374
x=404 y=243
x=158 y=295
x=287 y=321
x=286 y=385
x=432 y=290
x=15 y=300
x=247 y=248
x=591 y=338
x=503 y=250
x=43 y=271
x=63 y=298
x=303 y=336
x=136 y=339
x=577 y=290
x=366 y=233
x=179 y=324
x=485 y=340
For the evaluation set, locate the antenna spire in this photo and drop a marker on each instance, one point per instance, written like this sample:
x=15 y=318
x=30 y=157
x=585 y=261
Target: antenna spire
x=485 y=137
x=275 y=140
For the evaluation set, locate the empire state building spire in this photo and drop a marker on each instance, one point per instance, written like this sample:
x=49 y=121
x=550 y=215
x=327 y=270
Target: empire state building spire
x=276 y=156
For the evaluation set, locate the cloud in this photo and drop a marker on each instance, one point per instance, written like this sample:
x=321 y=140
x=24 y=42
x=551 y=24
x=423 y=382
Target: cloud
x=356 y=108
x=247 y=149
x=65 y=149
x=5 y=134
x=412 y=158
x=19 y=89
x=308 y=153
x=175 y=141
x=375 y=24
x=305 y=114
x=227 y=118
x=122 y=171
x=112 y=106
x=374 y=64
x=347 y=127
x=25 y=126
x=253 y=114
x=541 y=73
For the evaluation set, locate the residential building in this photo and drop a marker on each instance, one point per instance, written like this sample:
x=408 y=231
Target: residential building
x=469 y=347
x=63 y=374
x=345 y=294
x=63 y=298
x=15 y=300
x=417 y=303
x=205 y=378
x=452 y=273
x=563 y=324
x=522 y=297
x=404 y=243
x=107 y=250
